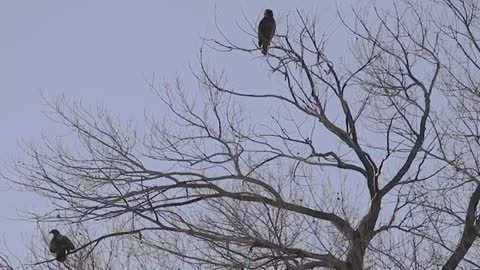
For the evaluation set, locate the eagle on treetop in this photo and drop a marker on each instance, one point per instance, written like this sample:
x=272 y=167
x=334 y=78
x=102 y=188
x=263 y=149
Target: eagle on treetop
x=266 y=30
x=60 y=245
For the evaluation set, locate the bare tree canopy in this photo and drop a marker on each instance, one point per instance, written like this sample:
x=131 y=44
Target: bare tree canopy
x=368 y=162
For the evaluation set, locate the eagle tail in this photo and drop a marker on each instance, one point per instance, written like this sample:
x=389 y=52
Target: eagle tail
x=61 y=255
x=265 y=49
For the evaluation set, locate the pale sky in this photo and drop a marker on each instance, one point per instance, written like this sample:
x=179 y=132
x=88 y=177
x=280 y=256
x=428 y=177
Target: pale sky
x=101 y=52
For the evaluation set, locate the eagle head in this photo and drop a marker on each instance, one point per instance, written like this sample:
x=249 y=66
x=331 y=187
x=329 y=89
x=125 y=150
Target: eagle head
x=55 y=232
x=268 y=13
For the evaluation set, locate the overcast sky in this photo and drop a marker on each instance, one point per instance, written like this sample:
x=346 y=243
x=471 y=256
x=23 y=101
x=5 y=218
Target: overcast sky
x=102 y=51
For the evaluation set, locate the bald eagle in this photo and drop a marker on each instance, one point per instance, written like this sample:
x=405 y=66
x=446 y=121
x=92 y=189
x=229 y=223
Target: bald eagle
x=60 y=245
x=266 y=30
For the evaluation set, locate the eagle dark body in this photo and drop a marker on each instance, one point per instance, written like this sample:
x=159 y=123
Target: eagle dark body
x=266 y=30
x=60 y=245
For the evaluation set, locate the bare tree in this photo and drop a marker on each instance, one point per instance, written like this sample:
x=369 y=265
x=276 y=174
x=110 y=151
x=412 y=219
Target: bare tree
x=5 y=263
x=458 y=135
x=366 y=163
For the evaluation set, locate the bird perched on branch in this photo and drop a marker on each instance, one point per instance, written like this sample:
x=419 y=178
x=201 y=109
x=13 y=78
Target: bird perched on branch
x=266 y=30
x=60 y=245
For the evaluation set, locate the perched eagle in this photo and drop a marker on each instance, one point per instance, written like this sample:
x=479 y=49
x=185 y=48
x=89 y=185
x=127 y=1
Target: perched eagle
x=60 y=245
x=266 y=30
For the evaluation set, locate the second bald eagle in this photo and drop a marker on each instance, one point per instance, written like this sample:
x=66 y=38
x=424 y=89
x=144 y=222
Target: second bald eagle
x=266 y=30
